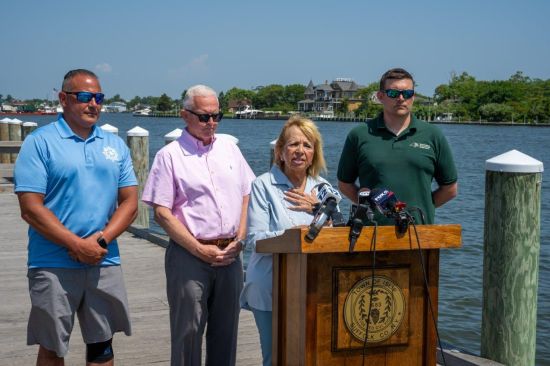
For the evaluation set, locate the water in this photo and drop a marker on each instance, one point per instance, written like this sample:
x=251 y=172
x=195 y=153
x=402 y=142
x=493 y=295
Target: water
x=461 y=271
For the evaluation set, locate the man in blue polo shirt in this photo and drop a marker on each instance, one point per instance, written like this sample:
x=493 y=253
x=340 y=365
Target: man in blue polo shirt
x=78 y=192
x=399 y=152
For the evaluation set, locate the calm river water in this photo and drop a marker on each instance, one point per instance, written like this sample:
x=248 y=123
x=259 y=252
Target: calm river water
x=461 y=274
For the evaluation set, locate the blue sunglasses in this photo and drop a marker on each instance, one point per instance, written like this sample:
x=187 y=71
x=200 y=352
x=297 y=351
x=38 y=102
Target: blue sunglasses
x=86 y=97
x=394 y=93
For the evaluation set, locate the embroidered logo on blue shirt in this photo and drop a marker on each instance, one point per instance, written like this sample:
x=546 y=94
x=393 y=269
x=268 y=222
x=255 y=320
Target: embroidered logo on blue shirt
x=110 y=153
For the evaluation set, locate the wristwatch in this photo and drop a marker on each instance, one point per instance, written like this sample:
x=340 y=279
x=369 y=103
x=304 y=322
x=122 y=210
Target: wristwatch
x=102 y=242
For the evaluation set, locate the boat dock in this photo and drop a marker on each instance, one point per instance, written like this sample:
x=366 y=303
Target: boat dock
x=143 y=266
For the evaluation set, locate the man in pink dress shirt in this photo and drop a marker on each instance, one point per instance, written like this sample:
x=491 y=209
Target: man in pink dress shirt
x=199 y=187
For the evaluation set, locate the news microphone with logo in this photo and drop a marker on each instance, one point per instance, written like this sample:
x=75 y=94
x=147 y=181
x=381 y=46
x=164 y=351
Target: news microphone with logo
x=388 y=205
x=328 y=208
x=385 y=202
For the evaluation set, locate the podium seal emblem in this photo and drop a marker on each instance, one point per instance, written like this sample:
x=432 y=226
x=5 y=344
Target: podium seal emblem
x=387 y=309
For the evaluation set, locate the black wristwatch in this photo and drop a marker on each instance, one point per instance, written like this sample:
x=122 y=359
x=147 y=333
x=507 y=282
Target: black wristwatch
x=102 y=242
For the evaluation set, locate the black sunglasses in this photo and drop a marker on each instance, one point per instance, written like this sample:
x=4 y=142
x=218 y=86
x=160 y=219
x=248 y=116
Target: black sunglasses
x=394 y=93
x=205 y=117
x=85 y=97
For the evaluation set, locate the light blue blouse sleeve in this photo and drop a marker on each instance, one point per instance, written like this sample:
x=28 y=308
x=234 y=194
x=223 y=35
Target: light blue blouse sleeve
x=259 y=215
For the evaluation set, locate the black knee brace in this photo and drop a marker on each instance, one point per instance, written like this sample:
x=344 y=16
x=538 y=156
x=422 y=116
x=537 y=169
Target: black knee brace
x=99 y=352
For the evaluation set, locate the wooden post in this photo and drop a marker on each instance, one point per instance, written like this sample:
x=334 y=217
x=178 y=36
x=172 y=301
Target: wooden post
x=112 y=129
x=14 y=127
x=172 y=135
x=511 y=258
x=228 y=136
x=4 y=136
x=27 y=128
x=272 y=152
x=138 y=142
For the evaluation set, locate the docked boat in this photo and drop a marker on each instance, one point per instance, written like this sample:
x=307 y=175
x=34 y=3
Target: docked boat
x=249 y=112
x=146 y=112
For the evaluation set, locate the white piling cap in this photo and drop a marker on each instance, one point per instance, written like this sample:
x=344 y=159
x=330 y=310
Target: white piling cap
x=514 y=161
x=5 y=120
x=15 y=121
x=107 y=127
x=138 y=132
x=227 y=136
x=173 y=135
x=30 y=124
x=273 y=143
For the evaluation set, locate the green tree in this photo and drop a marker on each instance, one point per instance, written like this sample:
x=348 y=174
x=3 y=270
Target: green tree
x=164 y=103
x=223 y=101
x=294 y=93
x=496 y=112
x=269 y=96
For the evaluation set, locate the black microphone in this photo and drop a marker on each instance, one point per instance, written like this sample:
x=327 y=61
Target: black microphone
x=385 y=202
x=328 y=208
x=362 y=212
x=388 y=205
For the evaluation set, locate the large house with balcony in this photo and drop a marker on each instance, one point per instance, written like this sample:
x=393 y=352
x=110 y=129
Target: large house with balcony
x=327 y=97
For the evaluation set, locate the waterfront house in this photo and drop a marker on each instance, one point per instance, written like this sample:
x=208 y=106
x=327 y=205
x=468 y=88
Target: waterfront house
x=329 y=97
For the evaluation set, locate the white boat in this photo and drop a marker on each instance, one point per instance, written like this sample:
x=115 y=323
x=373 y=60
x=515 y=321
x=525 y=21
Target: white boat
x=249 y=112
x=146 y=112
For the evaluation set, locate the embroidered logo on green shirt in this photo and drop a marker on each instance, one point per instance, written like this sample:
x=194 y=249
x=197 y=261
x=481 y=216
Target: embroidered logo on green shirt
x=420 y=146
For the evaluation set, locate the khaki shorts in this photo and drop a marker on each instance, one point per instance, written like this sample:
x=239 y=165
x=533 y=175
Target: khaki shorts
x=96 y=294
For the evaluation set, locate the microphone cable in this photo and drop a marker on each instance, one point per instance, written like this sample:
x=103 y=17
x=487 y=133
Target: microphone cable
x=373 y=250
x=425 y=276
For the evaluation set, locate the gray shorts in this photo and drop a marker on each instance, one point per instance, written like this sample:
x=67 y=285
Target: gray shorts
x=96 y=294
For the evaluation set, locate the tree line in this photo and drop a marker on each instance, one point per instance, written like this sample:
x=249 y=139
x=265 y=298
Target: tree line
x=518 y=99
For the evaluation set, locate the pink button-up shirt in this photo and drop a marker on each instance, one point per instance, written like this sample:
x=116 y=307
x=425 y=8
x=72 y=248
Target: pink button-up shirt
x=202 y=185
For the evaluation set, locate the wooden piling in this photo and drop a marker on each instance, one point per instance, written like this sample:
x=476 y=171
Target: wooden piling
x=14 y=127
x=27 y=128
x=272 y=152
x=511 y=258
x=138 y=142
x=172 y=135
x=112 y=129
x=4 y=136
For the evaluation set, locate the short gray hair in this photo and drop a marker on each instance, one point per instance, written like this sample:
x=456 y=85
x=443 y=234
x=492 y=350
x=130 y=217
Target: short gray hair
x=71 y=74
x=197 y=91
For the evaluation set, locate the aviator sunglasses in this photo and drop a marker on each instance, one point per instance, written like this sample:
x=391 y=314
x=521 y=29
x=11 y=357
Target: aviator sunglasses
x=394 y=93
x=85 y=97
x=205 y=117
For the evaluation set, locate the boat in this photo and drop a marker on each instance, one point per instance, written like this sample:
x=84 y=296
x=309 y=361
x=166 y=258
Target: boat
x=146 y=112
x=249 y=112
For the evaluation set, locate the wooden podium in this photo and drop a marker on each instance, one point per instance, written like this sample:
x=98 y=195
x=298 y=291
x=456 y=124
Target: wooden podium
x=321 y=296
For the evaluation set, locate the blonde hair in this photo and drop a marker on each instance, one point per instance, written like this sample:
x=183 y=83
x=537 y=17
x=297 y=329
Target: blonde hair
x=309 y=129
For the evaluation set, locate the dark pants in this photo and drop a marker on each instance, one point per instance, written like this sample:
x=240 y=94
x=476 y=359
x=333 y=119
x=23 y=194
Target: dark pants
x=199 y=294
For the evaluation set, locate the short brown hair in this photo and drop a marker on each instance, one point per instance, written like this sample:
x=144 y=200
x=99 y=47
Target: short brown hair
x=309 y=129
x=395 y=73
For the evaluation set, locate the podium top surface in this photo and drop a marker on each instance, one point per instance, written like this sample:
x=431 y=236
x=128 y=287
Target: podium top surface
x=335 y=240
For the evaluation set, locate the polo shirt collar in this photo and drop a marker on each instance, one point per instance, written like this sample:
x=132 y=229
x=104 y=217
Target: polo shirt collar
x=66 y=132
x=191 y=145
x=277 y=177
x=381 y=125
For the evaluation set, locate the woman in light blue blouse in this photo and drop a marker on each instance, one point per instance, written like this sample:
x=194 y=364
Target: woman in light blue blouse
x=280 y=199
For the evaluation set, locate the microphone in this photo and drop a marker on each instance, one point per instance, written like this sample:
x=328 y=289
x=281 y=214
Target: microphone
x=362 y=212
x=385 y=202
x=328 y=208
x=388 y=205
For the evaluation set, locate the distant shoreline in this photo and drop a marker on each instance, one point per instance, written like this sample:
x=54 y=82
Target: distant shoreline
x=317 y=119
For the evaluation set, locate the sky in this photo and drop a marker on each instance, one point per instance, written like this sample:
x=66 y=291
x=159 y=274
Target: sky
x=147 y=48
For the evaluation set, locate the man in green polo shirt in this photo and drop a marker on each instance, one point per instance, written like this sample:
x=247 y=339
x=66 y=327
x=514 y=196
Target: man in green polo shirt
x=398 y=152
